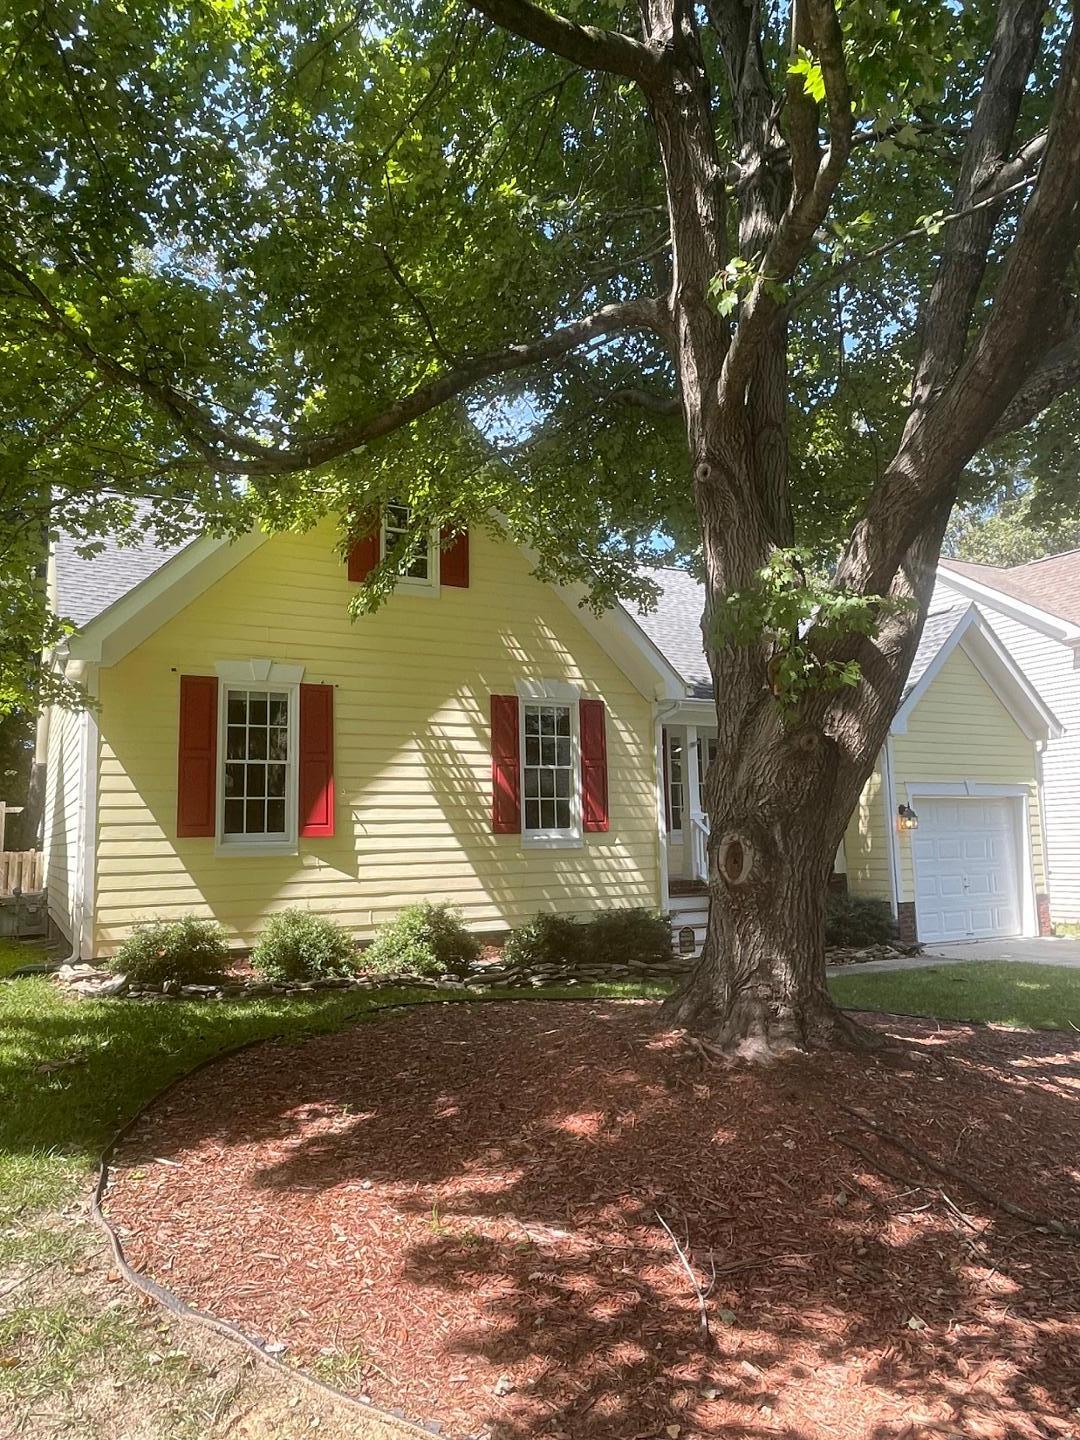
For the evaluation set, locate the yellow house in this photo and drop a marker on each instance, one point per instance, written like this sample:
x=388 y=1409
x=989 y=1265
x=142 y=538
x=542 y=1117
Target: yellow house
x=481 y=738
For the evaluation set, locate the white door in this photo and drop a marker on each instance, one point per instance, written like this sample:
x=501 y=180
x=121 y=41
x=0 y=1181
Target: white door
x=967 y=879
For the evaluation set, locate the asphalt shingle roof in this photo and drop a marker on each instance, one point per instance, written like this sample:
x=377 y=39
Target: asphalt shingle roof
x=1051 y=584
x=86 y=588
x=674 y=627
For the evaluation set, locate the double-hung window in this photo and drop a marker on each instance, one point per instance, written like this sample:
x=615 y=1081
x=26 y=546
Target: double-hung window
x=676 y=794
x=257 y=760
x=550 y=767
x=422 y=554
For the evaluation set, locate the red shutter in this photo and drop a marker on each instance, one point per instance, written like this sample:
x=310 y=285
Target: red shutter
x=364 y=551
x=454 y=563
x=316 y=778
x=196 y=781
x=594 y=784
x=505 y=766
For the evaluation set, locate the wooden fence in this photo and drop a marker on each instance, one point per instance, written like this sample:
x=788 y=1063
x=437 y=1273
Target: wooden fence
x=21 y=870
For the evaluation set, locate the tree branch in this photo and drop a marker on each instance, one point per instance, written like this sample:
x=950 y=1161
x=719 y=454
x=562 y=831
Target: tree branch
x=1056 y=376
x=230 y=453
x=949 y=309
x=809 y=204
x=585 y=45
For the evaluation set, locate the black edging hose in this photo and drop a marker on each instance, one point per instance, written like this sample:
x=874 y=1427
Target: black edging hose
x=149 y=1287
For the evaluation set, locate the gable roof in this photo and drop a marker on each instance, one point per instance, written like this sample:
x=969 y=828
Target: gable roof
x=675 y=629
x=1051 y=585
x=85 y=588
x=964 y=627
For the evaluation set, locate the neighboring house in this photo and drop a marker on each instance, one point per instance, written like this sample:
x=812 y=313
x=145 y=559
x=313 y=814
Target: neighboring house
x=481 y=738
x=1035 y=610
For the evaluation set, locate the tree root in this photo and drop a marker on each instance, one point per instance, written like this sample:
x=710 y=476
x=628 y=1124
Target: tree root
x=1033 y=1218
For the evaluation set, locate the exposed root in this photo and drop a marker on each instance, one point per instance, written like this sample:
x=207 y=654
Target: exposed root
x=754 y=1029
x=953 y=1172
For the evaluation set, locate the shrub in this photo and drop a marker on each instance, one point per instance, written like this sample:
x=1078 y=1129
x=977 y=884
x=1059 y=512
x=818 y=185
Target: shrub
x=622 y=936
x=628 y=937
x=858 y=920
x=546 y=939
x=190 y=952
x=299 y=945
x=425 y=939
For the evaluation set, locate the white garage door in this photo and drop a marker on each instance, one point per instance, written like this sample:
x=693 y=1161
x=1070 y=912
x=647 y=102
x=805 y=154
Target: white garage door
x=967 y=879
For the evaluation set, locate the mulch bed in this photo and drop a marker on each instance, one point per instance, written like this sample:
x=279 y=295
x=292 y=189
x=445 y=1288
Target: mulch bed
x=456 y=1211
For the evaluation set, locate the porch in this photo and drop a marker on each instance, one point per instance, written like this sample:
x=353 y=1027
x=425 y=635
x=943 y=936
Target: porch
x=688 y=748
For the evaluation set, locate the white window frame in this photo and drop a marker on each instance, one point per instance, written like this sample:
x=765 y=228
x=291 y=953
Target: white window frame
x=676 y=831
x=552 y=692
x=412 y=583
x=259 y=676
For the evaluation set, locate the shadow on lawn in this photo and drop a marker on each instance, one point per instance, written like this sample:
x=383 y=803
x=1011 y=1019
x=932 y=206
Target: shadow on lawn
x=472 y=1193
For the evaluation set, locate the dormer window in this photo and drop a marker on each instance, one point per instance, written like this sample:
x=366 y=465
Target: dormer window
x=421 y=571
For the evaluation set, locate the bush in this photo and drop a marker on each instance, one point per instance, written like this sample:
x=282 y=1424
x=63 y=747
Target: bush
x=620 y=936
x=299 y=945
x=857 y=920
x=628 y=937
x=546 y=939
x=190 y=952
x=425 y=939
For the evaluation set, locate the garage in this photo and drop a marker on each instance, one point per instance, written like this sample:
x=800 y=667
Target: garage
x=967 y=870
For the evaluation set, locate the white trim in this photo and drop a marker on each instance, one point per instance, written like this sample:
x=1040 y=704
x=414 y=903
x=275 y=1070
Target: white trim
x=411 y=584
x=135 y=616
x=247 y=845
x=661 y=809
x=1021 y=817
x=560 y=692
x=552 y=692
x=88 y=840
x=892 y=842
x=1043 y=621
x=254 y=673
x=997 y=667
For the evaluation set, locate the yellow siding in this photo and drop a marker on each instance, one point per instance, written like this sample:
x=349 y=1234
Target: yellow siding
x=961 y=731
x=412 y=757
x=866 y=843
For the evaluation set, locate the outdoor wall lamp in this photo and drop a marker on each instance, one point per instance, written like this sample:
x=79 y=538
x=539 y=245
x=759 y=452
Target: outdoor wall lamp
x=906 y=818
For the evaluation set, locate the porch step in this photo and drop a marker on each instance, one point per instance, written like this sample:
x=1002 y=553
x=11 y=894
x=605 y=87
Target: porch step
x=688 y=913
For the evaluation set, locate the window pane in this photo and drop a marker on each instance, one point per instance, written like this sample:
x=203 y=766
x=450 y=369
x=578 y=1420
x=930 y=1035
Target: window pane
x=279 y=744
x=547 y=721
x=275 y=780
x=237 y=712
x=547 y=752
x=256 y=779
x=279 y=710
x=397 y=516
x=562 y=783
x=255 y=816
x=275 y=817
x=236 y=743
x=257 y=709
x=532 y=720
x=532 y=783
x=234 y=779
x=562 y=814
x=532 y=750
x=234 y=817
x=562 y=756
x=532 y=815
x=547 y=782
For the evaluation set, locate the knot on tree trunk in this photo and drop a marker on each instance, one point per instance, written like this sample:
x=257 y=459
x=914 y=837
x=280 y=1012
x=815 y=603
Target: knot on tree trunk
x=735 y=858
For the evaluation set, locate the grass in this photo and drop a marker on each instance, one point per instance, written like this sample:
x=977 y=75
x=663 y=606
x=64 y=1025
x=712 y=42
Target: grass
x=1038 y=997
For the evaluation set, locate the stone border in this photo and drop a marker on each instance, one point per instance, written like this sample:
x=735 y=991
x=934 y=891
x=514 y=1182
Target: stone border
x=94 y=982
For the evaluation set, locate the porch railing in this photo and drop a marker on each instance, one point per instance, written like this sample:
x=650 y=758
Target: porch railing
x=699 y=845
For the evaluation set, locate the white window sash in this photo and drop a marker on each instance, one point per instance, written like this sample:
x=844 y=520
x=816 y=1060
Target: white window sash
x=538 y=693
x=428 y=586
x=254 y=844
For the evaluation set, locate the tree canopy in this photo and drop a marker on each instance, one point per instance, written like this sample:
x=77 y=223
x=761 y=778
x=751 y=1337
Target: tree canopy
x=245 y=248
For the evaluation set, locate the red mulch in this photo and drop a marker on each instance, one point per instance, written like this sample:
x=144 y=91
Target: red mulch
x=463 y=1199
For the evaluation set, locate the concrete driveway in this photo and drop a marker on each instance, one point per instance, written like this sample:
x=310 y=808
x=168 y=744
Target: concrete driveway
x=1048 y=951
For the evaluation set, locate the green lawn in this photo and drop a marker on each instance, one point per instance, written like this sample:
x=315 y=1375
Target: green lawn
x=1039 y=997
